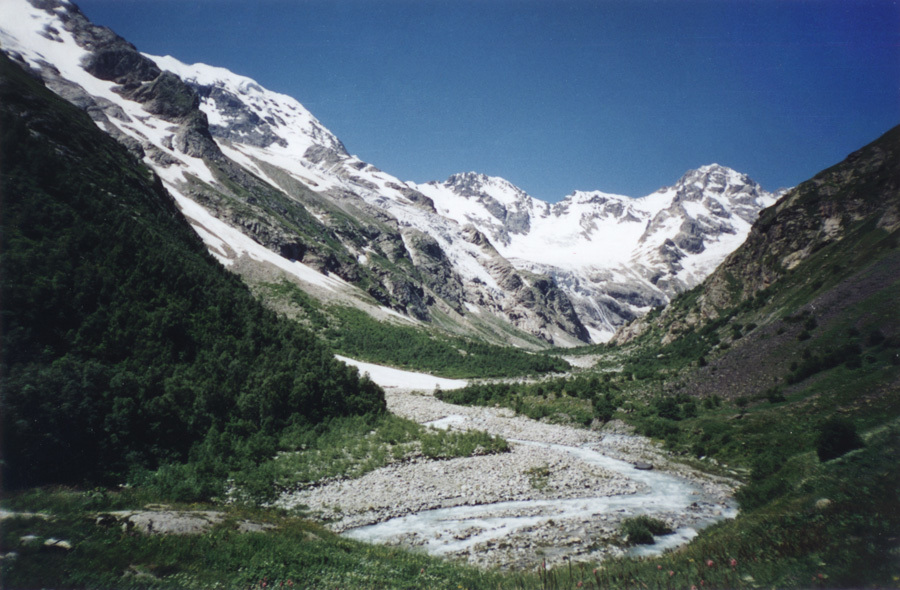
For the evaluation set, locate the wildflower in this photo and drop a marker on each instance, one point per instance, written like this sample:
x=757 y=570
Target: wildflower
x=659 y=567
x=422 y=571
x=579 y=584
x=671 y=573
x=710 y=563
x=595 y=571
x=733 y=562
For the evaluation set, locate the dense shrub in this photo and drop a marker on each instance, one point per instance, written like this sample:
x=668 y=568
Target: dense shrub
x=580 y=399
x=639 y=530
x=836 y=436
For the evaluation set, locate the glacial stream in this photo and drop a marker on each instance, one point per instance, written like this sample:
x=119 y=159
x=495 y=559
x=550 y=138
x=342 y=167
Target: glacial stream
x=458 y=529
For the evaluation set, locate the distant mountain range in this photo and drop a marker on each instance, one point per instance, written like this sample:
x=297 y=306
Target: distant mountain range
x=273 y=193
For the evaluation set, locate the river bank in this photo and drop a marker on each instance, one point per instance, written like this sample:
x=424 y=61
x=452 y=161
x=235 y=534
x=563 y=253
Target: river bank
x=560 y=493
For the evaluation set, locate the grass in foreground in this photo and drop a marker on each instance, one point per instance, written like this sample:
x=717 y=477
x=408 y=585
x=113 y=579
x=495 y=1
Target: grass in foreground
x=297 y=553
x=837 y=529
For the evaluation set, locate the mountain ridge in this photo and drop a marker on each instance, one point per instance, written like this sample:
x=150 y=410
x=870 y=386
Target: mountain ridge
x=259 y=161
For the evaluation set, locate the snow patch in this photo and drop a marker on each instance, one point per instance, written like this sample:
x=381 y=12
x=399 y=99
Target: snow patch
x=391 y=377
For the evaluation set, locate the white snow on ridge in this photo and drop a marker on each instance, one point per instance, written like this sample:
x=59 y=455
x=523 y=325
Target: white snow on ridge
x=596 y=245
x=41 y=38
x=300 y=131
x=292 y=121
x=20 y=31
x=227 y=243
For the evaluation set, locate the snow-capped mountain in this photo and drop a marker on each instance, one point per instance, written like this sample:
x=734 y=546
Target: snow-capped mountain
x=614 y=256
x=273 y=192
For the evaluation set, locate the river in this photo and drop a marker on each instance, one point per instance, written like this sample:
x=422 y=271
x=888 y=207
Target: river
x=459 y=529
x=495 y=511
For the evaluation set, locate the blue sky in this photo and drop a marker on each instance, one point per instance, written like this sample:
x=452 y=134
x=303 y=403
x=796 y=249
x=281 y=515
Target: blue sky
x=557 y=95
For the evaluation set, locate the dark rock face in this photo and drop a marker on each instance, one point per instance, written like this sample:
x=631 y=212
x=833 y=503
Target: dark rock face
x=414 y=196
x=166 y=96
x=293 y=250
x=138 y=78
x=690 y=237
x=120 y=62
x=244 y=125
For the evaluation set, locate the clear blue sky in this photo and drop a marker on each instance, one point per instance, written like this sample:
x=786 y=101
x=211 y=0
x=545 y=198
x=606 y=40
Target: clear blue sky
x=557 y=95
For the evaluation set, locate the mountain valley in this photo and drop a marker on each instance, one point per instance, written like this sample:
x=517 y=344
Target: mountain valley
x=711 y=368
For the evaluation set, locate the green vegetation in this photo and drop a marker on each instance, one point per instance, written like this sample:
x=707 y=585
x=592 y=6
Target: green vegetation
x=296 y=553
x=579 y=400
x=639 y=530
x=351 y=447
x=793 y=391
x=539 y=476
x=836 y=436
x=125 y=345
x=130 y=357
x=837 y=529
x=356 y=334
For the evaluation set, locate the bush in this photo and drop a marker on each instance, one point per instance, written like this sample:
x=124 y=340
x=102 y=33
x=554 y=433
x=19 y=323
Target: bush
x=639 y=530
x=836 y=437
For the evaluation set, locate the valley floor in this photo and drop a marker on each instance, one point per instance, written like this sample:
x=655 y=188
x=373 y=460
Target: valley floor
x=560 y=493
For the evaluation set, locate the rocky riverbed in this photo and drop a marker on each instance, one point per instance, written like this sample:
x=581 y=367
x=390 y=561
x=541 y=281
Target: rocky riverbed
x=560 y=493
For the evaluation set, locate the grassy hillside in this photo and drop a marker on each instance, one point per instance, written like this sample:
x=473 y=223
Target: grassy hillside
x=354 y=333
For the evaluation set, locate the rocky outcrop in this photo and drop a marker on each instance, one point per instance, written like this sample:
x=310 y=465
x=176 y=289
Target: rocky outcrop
x=437 y=270
x=865 y=187
x=820 y=211
x=533 y=302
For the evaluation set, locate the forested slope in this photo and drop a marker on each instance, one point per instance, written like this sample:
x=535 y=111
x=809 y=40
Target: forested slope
x=125 y=345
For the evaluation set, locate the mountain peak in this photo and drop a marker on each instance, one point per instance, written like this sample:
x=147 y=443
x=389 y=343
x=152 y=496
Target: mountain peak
x=240 y=109
x=716 y=174
x=476 y=184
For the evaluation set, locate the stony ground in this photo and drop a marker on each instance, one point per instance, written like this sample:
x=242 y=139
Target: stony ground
x=525 y=473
